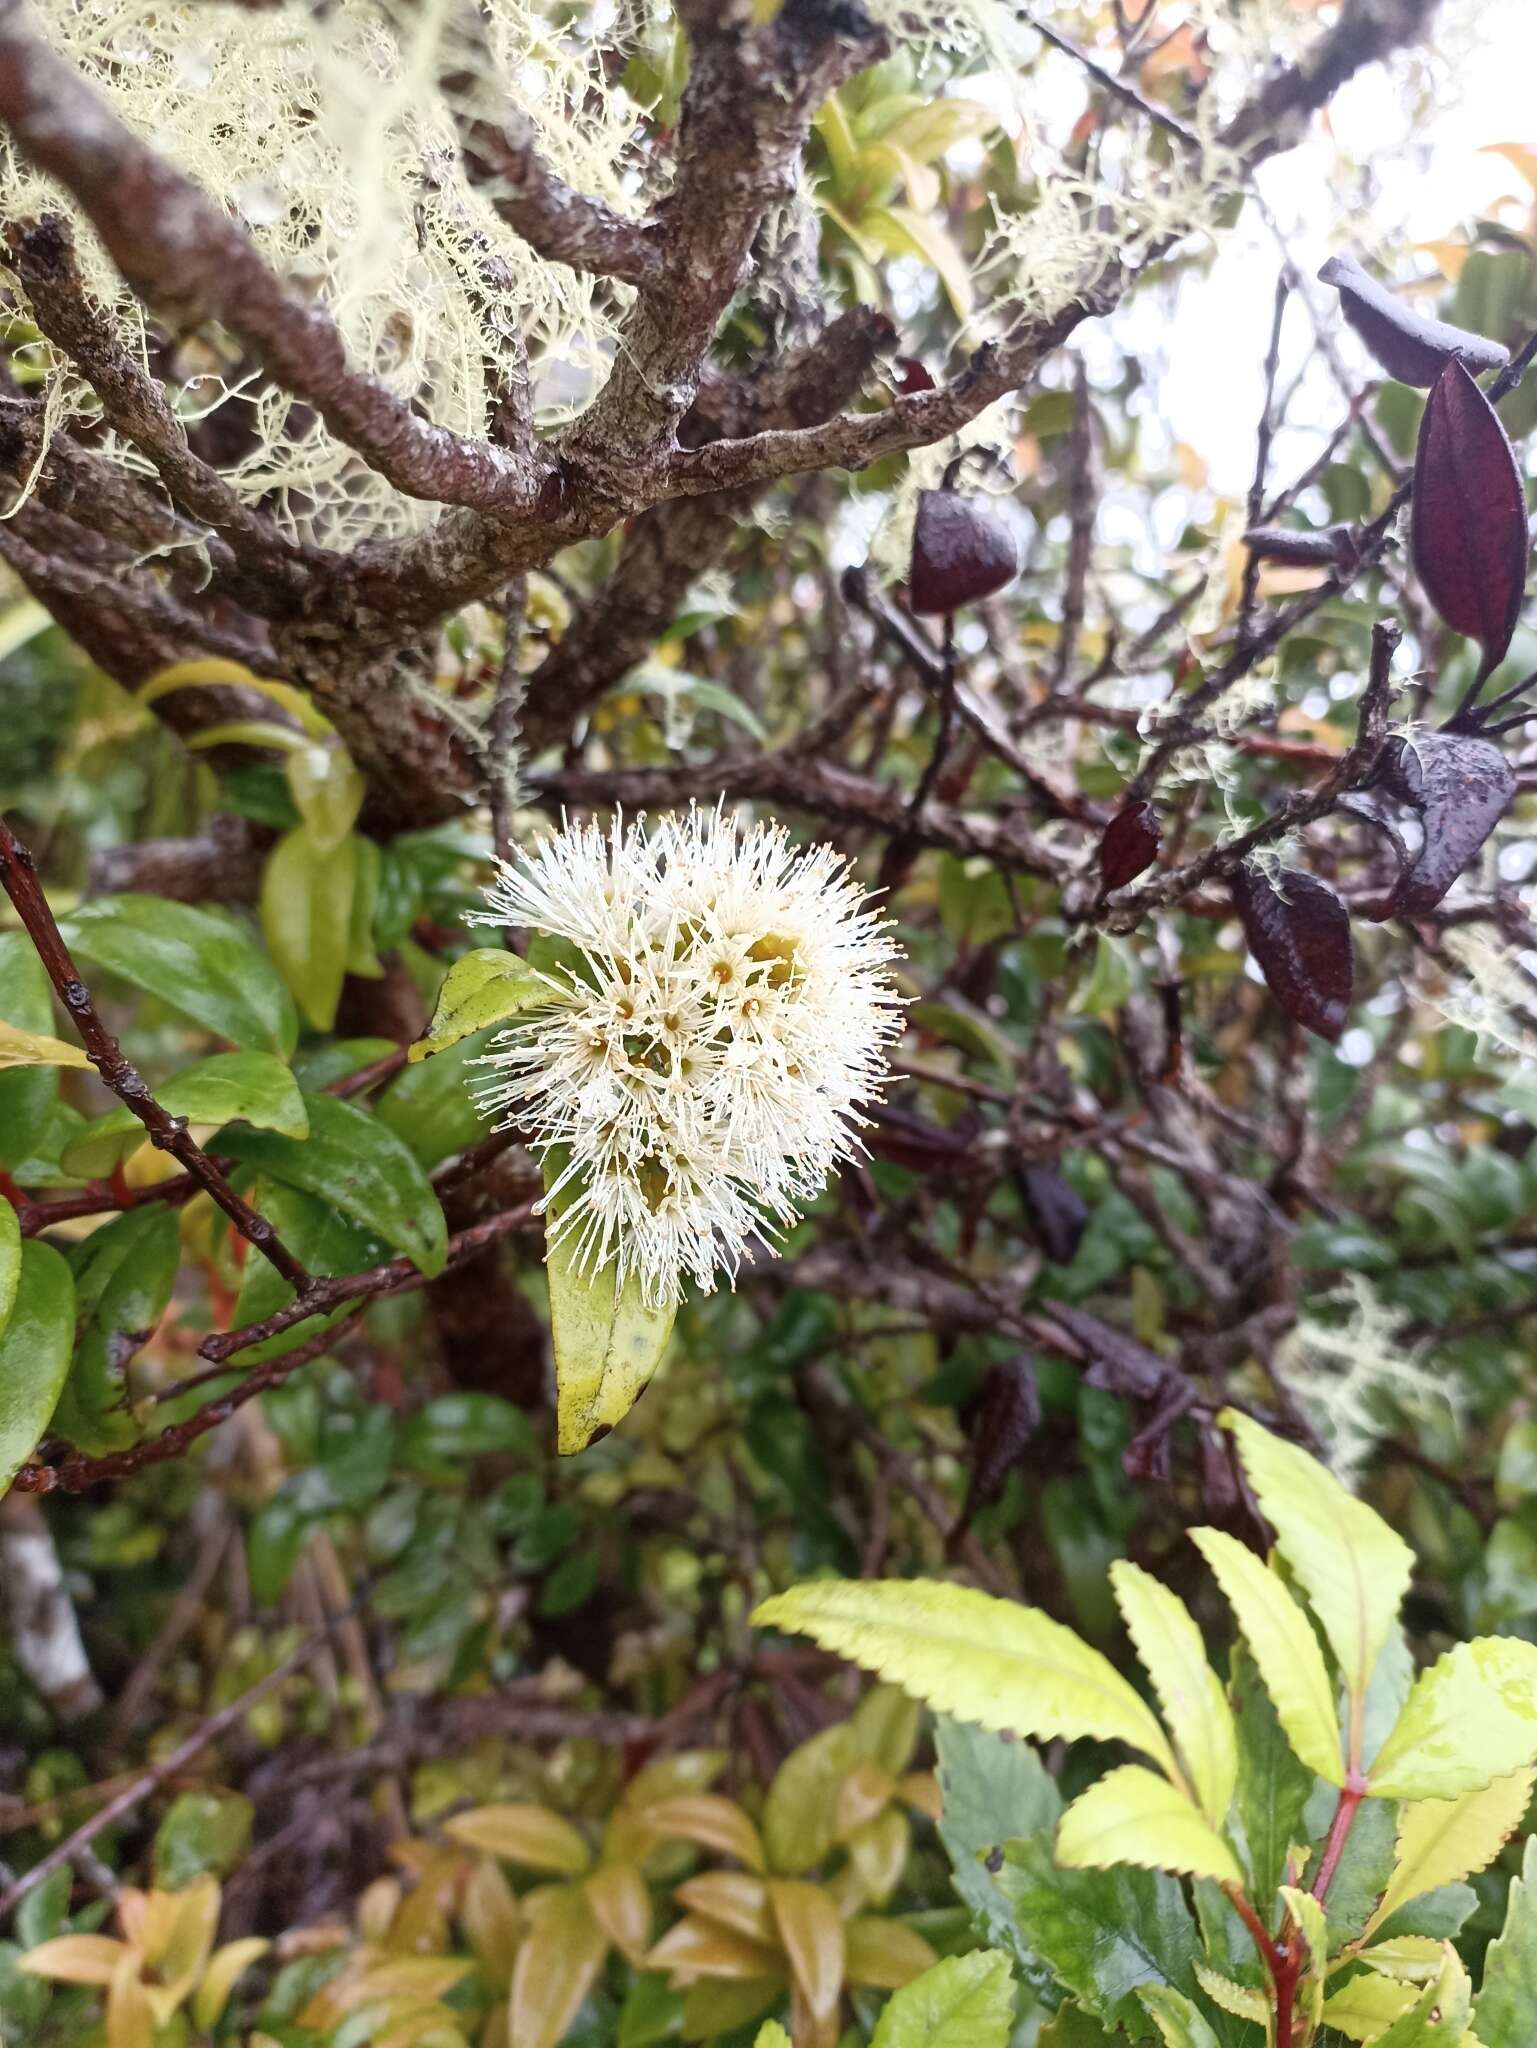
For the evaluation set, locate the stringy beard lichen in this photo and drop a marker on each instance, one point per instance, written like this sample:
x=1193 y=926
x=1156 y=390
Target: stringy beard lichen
x=702 y=1067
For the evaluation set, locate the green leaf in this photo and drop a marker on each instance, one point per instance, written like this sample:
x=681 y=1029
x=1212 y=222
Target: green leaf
x=1352 y=1566
x=484 y=987
x=985 y=1660
x=124 y=1274
x=202 y=1831
x=1134 y=1816
x=962 y=2002
x=361 y=956
x=1364 y=1868
x=1367 y=2006
x=1243 y=2001
x=1284 y=1647
x=1308 y=1918
x=1072 y=2027
x=202 y=965
x=232 y=1087
x=770 y=2035
x=1440 y=2018
x=994 y=1792
x=1195 y=1708
x=320 y=1238
x=801 y=1810
x=607 y=1340
x=1101 y=1933
x=1273 y=1786
x=327 y=791
x=35 y=1347
x=431 y=1106
x=1470 y=1718
x=1507 y=1998
x=10 y=1260
x=1442 y=1841
x=440 y=1436
x=1176 y=2019
x=306 y=919
x=353 y=1161
x=1112 y=980
x=27 y=1094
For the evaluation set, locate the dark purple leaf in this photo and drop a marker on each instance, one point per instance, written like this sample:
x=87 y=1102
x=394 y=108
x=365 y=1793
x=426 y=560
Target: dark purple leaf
x=962 y=550
x=1324 y=547
x=1004 y=1417
x=1129 y=845
x=1117 y=1363
x=1469 y=528
x=1460 y=786
x=1300 y=935
x=924 y=1147
x=911 y=375
x=1058 y=1213
x=1409 y=346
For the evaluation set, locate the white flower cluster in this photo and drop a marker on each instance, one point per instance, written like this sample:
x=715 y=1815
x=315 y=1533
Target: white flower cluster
x=702 y=1070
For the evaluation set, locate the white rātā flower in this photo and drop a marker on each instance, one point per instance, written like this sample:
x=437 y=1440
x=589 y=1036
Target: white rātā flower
x=701 y=1068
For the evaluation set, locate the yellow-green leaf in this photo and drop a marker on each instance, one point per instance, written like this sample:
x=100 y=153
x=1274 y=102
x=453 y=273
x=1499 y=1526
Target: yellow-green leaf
x=702 y=1948
x=1352 y=1566
x=1440 y=2017
x=607 y=1340
x=1283 y=1646
x=771 y=2035
x=483 y=987
x=212 y=671
x=1179 y=2023
x=621 y=1905
x=1442 y=1841
x=731 y=1898
x=964 y=2002
x=74 y=1959
x=225 y=1967
x=1414 y=1957
x=1368 y=2006
x=555 y=1968
x=1308 y=1916
x=1134 y=1816
x=1195 y=1707
x=708 y=1818
x=811 y=1935
x=902 y=232
x=981 y=1659
x=20 y=1048
x=1243 y=2001
x=327 y=791
x=1470 y=1718
x=526 y=1834
x=926 y=132
x=306 y=919
x=884 y=1953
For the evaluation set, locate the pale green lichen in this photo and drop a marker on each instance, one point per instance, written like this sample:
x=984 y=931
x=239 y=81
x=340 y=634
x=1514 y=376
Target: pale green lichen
x=1350 y=1366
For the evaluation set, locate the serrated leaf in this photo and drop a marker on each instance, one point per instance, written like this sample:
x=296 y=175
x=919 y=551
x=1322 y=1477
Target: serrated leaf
x=607 y=1338
x=1134 y=1816
x=1470 y=1718
x=1442 y=1841
x=306 y=919
x=1367 y=2006
x=1273 y=1784
x=1195 y=1708
x=1178 y=2022
x=1307 y=1916
x=1243 y=2001
x=982 y=1659
x=1352 y=1566
x=202 y=965
x=354 y=1162
x=1283 y=1646
x=1414 y=1957
x=1507 y=1997
x=1439 y=2017
x=1101 y=1933
x=993 y=1792
x=484 y=987
x=35 y=1347
x=1468 y=528
x=962 y=2002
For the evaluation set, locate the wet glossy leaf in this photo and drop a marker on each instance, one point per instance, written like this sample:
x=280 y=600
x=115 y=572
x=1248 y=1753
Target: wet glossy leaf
x=1129 y=845
x=35 y=1347
x=351 y=1160
x=962 y=550
x=232 y=1087
x=327 y=791
x=1299 y=932
x=1469 y=524
x=306 y=917
x=27 y=1094
x=203 y=965
x=1410 y=346
x=1461 y=786
x=124 y=1274
x=1507 y=1997
x=19 y=1048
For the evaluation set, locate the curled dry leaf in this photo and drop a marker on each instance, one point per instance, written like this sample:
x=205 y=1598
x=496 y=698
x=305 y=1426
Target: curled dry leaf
x=1409 y=346
x=1058 y=1213
x=1469 y=526
x=1460 y=785
x=1300 y=935
x=909 y=374
x=963 y=549
x=1323 y=547
x=1129 y=845
x=1005 y=1416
